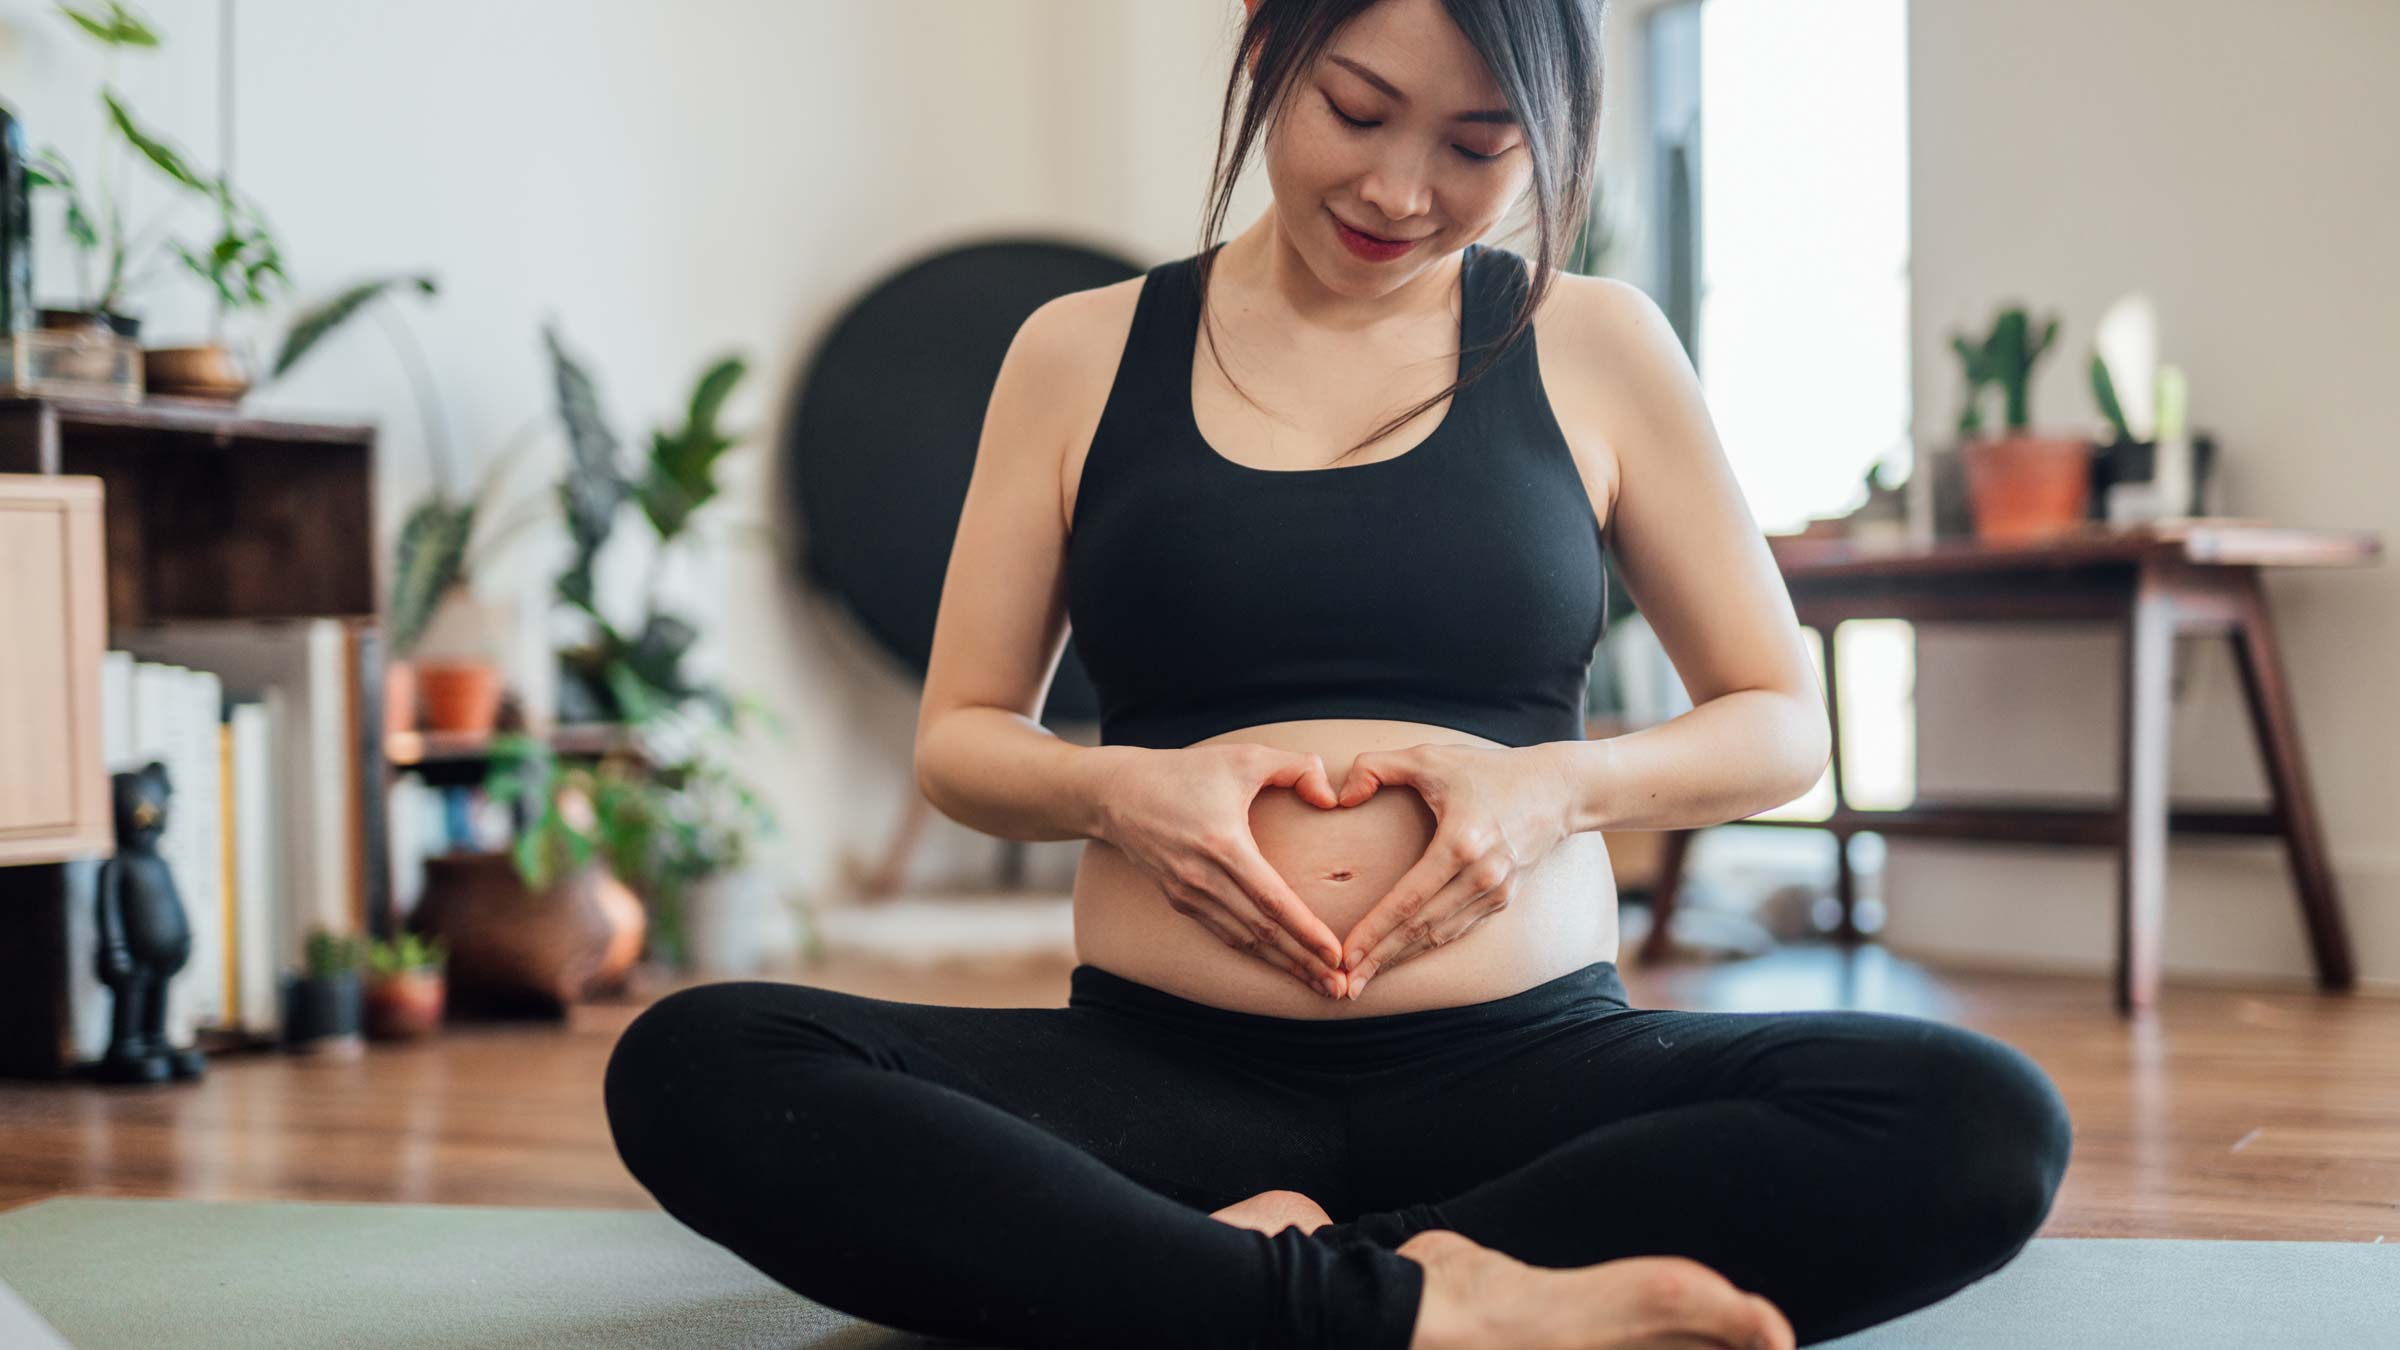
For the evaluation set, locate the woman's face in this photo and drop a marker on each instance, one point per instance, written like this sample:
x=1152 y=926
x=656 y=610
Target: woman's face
x=1440 y=160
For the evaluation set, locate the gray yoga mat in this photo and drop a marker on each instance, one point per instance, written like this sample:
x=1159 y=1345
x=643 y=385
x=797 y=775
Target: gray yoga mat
x=120 y=1272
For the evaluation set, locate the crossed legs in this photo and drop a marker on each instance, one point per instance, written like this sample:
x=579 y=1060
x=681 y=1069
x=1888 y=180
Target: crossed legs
x=1047 y=1176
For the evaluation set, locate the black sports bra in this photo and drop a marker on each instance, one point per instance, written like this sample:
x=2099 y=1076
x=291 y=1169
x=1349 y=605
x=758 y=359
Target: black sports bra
x=1459 y=584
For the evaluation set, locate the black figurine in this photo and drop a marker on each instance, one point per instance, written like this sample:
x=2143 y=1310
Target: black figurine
x=143 y=937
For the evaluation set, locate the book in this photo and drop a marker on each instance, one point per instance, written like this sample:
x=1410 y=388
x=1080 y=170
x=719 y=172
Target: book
x=300 y=669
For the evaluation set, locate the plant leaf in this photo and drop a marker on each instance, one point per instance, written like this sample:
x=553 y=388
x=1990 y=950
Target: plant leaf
x=318 y=322
x=119 y=27
x=166 y=158
x=429 y=559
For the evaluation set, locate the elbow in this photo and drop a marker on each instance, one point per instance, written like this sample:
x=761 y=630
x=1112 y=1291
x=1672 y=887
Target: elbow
x=922 y=762
x=1814 y=737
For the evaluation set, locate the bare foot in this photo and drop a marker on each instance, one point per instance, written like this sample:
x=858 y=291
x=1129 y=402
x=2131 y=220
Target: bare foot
x=1475 y=1296
x=1270 y=1212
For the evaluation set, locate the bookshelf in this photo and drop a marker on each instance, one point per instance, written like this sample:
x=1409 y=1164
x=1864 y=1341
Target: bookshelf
x=208 y=512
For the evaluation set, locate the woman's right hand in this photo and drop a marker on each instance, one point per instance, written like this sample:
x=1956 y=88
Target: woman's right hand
x=1183 y=817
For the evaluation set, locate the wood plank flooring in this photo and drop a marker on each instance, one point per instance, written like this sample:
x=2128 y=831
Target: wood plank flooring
x=2230 y=1113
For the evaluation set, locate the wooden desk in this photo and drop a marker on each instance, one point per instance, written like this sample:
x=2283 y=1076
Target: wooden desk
x=2152 y=583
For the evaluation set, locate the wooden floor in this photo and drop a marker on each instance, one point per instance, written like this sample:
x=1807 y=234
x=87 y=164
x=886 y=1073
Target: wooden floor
x=2227 y=1114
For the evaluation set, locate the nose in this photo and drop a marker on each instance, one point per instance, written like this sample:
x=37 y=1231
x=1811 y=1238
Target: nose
x=1398 y=185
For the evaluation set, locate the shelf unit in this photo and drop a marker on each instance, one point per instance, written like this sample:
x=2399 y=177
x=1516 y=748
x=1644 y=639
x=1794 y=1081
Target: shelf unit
x=208 y=512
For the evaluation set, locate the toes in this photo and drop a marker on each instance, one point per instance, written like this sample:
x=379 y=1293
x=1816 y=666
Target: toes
x=1687 y=1296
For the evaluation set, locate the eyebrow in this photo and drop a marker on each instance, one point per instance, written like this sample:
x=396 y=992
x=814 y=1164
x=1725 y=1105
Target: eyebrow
x=1500 y=115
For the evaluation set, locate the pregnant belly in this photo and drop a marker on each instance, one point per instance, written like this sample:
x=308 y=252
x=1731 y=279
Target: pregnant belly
x=1340 y=862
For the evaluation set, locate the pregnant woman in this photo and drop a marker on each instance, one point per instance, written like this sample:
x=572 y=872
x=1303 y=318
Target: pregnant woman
x=1345 y=1059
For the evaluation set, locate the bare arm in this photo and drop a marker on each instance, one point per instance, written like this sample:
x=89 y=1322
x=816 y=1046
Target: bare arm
x=1694 y=559
x=982 y=756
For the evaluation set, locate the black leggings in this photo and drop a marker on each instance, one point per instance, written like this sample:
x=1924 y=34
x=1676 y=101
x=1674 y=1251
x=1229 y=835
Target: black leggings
x=1044 y=1176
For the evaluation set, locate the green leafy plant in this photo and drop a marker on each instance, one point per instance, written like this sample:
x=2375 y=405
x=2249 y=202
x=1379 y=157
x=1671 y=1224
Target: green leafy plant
x=410 y=951
x=242 y=264
x=577 y=813
x=665 y=812
x=2005 y=357
x=2104 y=393
x=329 y=953
x=94 y=207
x=630 y=674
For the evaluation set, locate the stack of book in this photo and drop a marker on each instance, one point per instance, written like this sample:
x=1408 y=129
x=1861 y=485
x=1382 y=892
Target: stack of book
x=257 y=725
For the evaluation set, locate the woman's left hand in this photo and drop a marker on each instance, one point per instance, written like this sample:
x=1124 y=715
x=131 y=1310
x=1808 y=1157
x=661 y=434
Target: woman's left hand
x=1498 y=811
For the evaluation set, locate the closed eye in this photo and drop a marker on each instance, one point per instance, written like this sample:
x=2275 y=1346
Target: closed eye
x=1356 y=124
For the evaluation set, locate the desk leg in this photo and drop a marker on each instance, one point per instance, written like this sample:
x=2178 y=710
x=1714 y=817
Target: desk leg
x=2142 y=801
x=1845 y=884
x=2295 y=808
x=1656 y=947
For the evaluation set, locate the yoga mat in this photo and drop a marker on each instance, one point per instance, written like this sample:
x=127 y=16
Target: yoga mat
x=123 y=1272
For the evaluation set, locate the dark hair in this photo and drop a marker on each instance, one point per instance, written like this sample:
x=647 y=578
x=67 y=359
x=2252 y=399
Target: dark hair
x=1544 y=54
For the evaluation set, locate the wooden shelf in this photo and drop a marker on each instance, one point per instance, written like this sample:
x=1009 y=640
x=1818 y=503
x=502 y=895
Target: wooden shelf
x=208 y=512
x=205 y=420
x=213 y=513
x=409 y=749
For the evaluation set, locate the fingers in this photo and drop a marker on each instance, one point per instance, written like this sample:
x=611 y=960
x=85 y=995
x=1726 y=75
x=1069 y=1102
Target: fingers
x=1402 y=902
x=1304 y=774
x=1261 y=898
x=1465 y=901
x=1371 y=771
x=1211 y=913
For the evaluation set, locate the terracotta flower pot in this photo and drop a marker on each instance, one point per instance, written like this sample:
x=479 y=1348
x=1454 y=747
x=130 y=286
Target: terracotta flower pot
x=461 y=696
x=2024 y=488
x=404 y=1005
x=399 y=697
x=207 y=371
x=511 y=949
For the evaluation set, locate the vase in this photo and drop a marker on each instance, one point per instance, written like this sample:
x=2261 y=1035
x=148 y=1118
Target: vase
x=322 y=1016
x=727 y=920
x=404 y=1005
x=2027 y=488
x=209 y=371
x=399 y=697
x=514 y=950
x=460 y=696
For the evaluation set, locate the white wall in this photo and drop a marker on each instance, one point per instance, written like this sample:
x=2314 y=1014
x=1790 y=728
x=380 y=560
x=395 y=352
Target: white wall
x=2235 y=160
x=669 y=181
x=674 y=180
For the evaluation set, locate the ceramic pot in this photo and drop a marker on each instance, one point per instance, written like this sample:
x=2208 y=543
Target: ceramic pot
x=512 y=950
x=2025 y=488
x=460 y=696
x=69 y=320
x=726 y=922
x=322 y=1016
x=405 y=1005
x=209 y=371
x=399 y=697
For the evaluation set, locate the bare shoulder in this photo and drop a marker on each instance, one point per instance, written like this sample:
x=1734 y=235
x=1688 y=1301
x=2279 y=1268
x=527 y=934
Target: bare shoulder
x=1078 y=339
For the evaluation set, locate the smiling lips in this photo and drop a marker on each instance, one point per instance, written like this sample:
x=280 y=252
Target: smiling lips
x=1378 y=238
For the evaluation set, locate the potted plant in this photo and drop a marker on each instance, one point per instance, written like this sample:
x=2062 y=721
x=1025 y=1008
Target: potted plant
x=404 y=987
x=712 y=907
x=243 y=266
x=438 y=547
x=95 y=207
x=551 y=921
x=322 y=1001
x=2020 y=486
x=620 y=671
